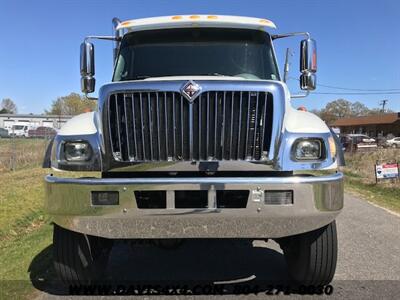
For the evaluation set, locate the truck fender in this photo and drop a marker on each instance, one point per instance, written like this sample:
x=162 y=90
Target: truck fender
x=47 y=156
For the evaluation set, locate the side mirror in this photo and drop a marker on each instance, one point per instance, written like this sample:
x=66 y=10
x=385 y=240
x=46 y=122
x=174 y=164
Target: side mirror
x=308 y=64
x=308 y=81
x=87 y=68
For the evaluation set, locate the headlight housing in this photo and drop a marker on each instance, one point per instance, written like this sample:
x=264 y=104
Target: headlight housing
x=77 y=151
x=306 y=149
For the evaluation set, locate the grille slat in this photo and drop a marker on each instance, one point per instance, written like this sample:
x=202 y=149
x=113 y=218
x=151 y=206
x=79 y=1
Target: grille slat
x=158 y=128
x=215 y=124
x=119 y=152
x=181 y=126
x=164 y=126
x=134 y=127
x=150 y=126
x=128 y=140
x=255 y=129
x=231 y=132
x=173 y=123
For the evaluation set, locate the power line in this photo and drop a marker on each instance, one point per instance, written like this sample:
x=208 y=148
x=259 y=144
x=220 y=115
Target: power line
x=360 y=93
x=352 y=89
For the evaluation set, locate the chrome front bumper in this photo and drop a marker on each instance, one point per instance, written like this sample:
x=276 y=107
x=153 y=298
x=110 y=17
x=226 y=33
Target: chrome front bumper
x=317 y=200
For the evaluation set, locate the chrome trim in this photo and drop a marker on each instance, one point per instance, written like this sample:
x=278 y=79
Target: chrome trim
x=317 y=201
x=118 y=36
x=58 y=160
x=308 y=56
x=276 y=89
x=285 y=159
x=188 y=88
x=211 y=181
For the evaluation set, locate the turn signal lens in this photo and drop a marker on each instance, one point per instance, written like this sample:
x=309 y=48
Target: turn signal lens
x=77 y=151
x=332 y=146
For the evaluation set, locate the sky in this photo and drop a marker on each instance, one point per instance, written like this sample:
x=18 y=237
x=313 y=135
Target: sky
x=358 y=44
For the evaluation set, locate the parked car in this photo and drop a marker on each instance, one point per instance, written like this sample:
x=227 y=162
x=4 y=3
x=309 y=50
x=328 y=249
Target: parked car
x=4 y=133
x=42 y=132
x=394 y=143
x=357 y=142
x=19 y=130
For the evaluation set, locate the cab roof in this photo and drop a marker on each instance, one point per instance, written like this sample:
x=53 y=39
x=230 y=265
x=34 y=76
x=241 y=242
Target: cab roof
x=182 y=21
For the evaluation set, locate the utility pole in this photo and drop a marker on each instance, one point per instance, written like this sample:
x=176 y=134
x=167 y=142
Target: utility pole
x=383 y=103
x=287 y=64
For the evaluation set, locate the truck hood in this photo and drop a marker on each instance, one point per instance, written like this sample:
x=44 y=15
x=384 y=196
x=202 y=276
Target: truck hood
x=195 y=77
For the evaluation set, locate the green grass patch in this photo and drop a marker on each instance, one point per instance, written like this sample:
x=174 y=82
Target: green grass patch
x=385 y=196
x=20 y=153
x=25 y=232
x=24 y=262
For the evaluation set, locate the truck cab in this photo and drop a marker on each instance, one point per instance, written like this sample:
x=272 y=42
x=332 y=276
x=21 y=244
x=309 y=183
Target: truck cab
x=196 y=137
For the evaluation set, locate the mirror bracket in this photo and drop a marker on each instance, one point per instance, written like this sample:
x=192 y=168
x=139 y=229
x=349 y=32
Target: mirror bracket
x=308 y=61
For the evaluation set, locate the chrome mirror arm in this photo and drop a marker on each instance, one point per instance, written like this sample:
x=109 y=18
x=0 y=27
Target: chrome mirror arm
x=290 y=34
x=103 y=37
x=300 y=95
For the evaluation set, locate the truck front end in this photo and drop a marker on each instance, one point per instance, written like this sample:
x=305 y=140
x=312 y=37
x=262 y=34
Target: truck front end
x=195 y=137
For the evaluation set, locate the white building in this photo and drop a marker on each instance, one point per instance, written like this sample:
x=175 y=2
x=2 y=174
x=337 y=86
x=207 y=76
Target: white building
x=54 y=121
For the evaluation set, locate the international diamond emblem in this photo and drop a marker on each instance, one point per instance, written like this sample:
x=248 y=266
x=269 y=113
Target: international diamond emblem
x=190 y=90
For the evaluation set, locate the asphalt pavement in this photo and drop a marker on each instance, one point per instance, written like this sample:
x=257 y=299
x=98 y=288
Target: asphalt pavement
x=368 y=263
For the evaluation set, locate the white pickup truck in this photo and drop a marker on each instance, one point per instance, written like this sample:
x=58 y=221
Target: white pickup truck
x=195 y=137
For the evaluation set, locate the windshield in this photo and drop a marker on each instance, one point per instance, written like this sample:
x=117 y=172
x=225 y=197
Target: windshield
x=196 y=51
x=18 y=127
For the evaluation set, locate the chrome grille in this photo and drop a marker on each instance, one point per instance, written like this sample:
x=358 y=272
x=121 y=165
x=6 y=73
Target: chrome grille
x=164 y=126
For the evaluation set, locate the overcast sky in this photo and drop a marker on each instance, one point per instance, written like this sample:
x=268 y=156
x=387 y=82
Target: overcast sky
x=358 y=43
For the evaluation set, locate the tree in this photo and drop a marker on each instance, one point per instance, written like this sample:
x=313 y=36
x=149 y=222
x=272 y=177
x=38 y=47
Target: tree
x=359 y=109
x=335 y=110
x=377 y=111
x=72 y=104
x=342 y=108
x=8 y=106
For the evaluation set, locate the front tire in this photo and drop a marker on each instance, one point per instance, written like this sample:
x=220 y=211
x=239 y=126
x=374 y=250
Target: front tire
x=79 y=259
x=311 y=257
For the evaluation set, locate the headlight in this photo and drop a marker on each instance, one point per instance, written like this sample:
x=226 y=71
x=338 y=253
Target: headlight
x=307 y=149
x=77 y=151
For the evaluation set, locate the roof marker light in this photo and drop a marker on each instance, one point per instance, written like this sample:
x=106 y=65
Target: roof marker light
x=212 y=17
x=194 y=17
x=264 y=21
x=126 y=23
x=176 y=18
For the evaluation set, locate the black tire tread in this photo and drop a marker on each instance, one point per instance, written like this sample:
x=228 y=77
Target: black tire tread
x=73 y=259
x=312 y=256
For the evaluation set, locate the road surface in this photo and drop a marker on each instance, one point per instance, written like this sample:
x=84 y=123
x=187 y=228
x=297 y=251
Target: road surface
x=368 y=262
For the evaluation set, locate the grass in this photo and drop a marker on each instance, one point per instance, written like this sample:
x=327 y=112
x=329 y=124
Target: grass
x=20 y=153
x=25 y=229
x=382 y=195
x=360 y=178
x=25 y=232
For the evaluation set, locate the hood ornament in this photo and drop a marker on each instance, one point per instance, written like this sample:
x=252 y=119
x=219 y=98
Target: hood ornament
x=190 y=90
